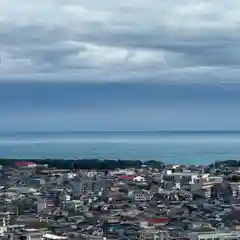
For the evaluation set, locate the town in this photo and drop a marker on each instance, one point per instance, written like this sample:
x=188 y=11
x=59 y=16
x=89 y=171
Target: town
x=166 y=202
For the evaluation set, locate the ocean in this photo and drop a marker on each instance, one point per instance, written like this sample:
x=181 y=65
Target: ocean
x=169 y=147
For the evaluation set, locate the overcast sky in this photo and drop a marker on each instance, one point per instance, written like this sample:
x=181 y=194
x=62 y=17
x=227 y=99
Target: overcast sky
x=192 y=46
x=120 y=40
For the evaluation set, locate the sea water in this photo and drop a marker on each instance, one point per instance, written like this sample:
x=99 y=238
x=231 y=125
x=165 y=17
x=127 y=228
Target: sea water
x=169 y=147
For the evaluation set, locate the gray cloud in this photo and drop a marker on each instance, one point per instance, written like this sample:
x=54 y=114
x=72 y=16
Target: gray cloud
x=127 y=40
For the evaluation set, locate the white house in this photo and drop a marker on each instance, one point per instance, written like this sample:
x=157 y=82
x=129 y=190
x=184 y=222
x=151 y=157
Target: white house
x=52 y=236
x=189 y=177
x=123 y=172
x=139 y=179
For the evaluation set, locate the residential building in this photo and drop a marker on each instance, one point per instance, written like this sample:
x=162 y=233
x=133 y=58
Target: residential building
x=214 y=235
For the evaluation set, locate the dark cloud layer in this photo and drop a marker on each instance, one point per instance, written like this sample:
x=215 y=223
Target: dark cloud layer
x=128 y=40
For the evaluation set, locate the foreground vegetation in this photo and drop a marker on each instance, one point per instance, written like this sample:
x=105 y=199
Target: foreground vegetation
x=108 y=164
x=87 y=163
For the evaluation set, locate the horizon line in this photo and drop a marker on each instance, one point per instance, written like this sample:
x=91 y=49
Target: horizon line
x=120 y=131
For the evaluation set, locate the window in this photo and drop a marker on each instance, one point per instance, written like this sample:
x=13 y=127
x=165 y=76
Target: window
x=23 y=237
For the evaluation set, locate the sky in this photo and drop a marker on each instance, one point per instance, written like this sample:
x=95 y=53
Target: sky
x=118 y=106
x=119 y=65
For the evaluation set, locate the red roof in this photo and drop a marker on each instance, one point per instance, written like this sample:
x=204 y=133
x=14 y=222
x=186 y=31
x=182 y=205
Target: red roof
x=152 y=219
x=25 y=164
x=159 y=220
x=127 y=177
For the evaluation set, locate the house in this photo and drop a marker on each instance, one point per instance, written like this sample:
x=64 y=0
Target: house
x=214 y=235
x=88 y=185
x=123 y=172
x=31 y=234
x=166 y=194
x=235 y=189
x=139 y=179
x=126 y=177
x=74 y=205
x=48 y=236
x=25 y=164
x=181 y=177
x=64 y=196
x=22 y=190
x=35 y=181
x=152 y=233
x=140 y=195
x=3 y=226
x=41 y=205
x=222 y=191
x=89 y=173
x=202 y=193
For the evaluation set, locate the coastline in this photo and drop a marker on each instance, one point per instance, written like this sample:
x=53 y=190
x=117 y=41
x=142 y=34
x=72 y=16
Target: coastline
x=110 y=164
x=85 y=163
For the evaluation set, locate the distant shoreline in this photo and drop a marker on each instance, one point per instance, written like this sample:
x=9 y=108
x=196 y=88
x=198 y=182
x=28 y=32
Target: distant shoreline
x=109 y=164
x=85 y=163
